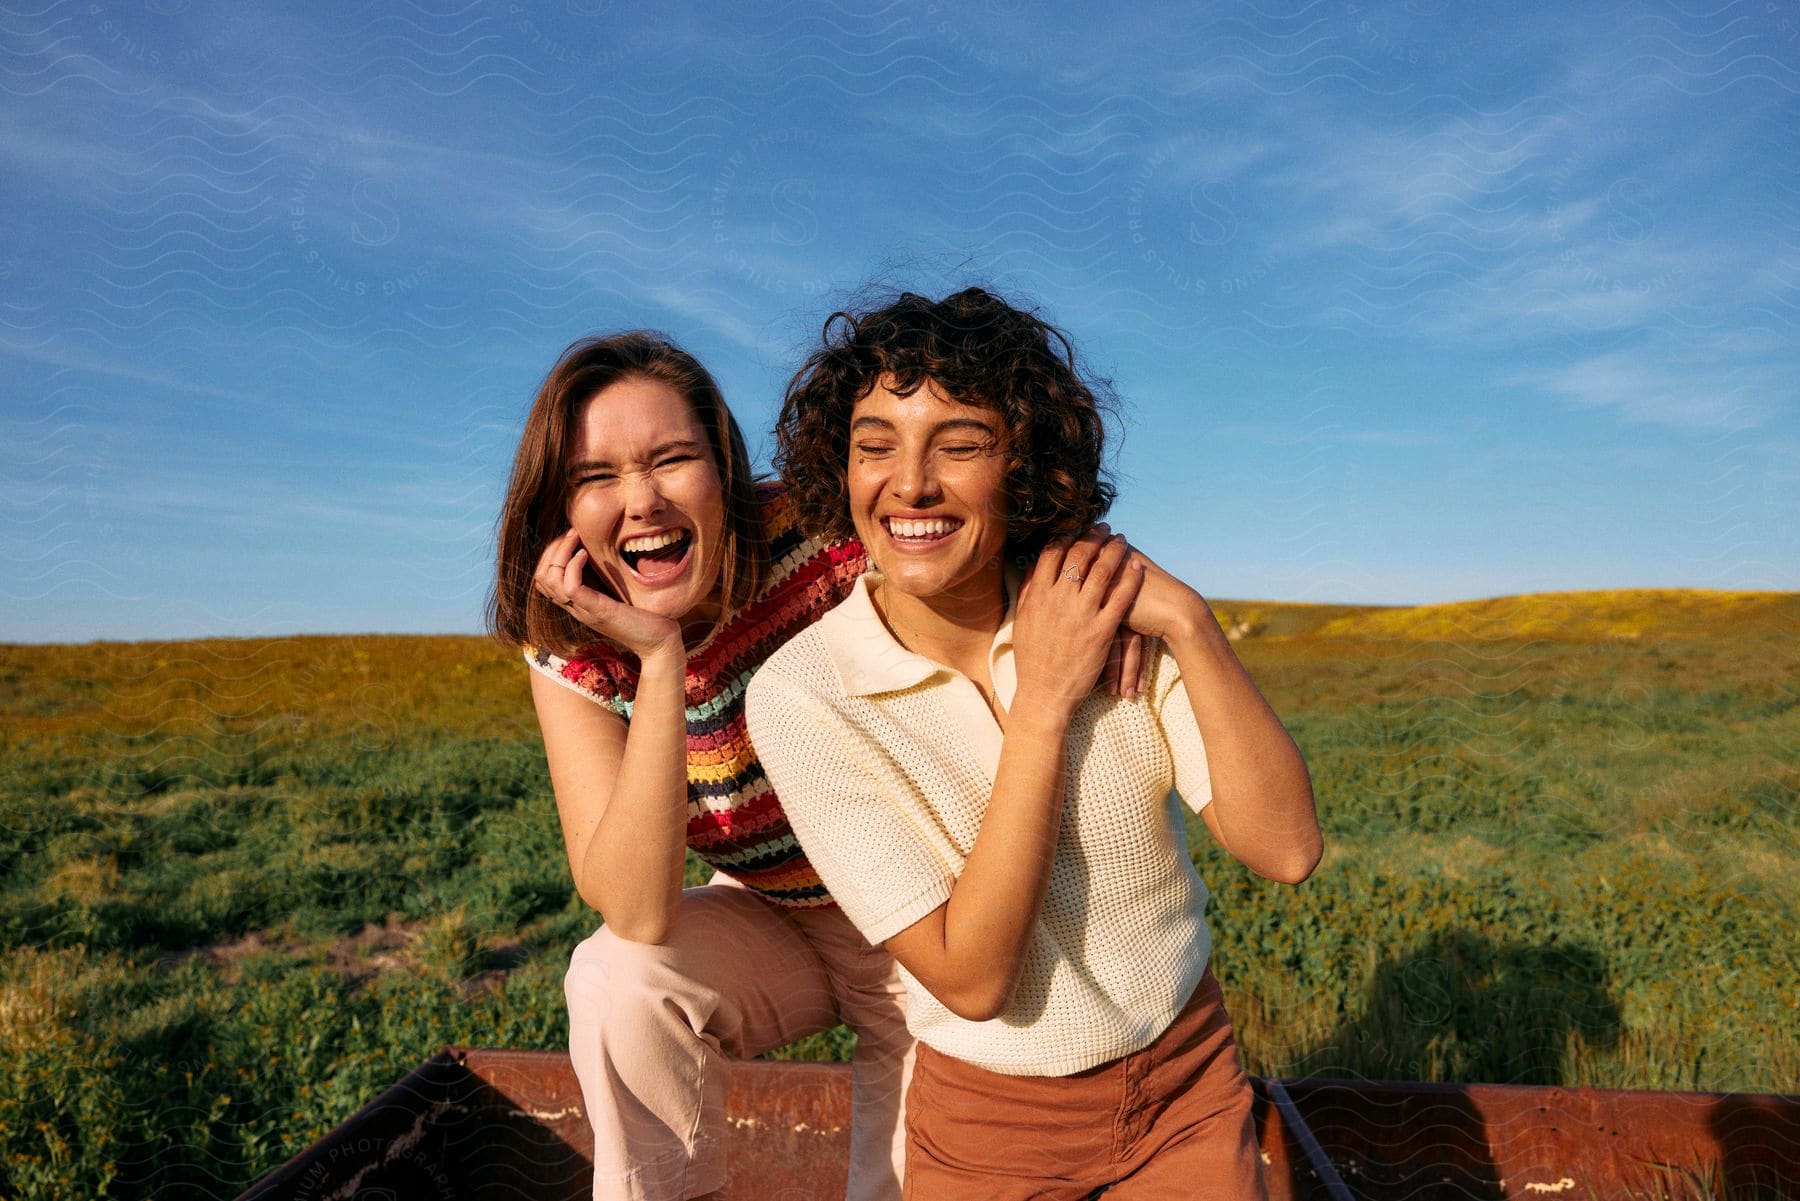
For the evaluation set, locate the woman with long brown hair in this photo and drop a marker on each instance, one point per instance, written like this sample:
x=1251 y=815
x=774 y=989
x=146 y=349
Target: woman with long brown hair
x=646 y=574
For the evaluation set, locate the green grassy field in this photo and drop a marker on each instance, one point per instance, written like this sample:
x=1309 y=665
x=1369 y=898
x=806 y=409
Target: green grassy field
x=244 y=885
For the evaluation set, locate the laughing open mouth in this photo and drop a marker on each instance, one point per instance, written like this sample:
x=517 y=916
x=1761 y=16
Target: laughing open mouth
x=655 y=555
x=919 y=532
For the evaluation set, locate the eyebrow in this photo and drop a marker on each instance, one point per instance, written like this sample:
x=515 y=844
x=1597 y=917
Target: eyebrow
x=883 y=423
x=655 y=452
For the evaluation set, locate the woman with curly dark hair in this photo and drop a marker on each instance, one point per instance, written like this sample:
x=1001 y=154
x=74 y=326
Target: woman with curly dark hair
x=975 y=807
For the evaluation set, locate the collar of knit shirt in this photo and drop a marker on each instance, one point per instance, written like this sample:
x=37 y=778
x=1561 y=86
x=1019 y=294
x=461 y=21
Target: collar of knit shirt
x=869 y=660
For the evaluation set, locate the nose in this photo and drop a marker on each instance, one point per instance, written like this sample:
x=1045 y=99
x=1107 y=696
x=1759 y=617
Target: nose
x=641 y=497
x=915 y=481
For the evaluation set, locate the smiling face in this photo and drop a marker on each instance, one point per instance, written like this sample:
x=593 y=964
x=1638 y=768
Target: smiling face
x=927 y=487
x=646 y=500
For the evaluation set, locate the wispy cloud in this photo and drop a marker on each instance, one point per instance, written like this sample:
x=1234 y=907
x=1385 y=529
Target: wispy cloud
x=55 y=354
x=691 y=303
x=1658 y=392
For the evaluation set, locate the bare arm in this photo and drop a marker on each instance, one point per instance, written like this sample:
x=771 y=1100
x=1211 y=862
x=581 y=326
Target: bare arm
x=969 y=951
x=626 y=843
x=621 y=790
x=1262 y=807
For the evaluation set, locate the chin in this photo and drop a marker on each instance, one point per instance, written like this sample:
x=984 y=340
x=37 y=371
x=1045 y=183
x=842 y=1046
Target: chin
x=659 y=603
x=673 y=603
x=907 y=578
x=950 y=566
x=924 y=582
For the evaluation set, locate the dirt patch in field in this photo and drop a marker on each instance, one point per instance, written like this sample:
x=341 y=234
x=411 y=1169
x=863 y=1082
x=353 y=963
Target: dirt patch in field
x=373 y=950
x=228 y=957
x=358 y=958
x=378 y=948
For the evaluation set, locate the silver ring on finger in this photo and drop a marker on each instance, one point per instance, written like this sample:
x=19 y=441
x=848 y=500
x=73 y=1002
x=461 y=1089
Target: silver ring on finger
x=1072 y=573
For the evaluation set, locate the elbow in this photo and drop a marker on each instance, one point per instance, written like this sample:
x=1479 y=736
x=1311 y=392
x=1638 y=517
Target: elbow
x=978 y=1005
x=646 y=928
x=1297 y=865
x=978 y=1000
x=648 y=933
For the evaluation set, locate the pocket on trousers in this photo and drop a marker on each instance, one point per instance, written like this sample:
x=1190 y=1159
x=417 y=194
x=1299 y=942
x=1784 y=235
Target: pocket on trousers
x=971 y=1120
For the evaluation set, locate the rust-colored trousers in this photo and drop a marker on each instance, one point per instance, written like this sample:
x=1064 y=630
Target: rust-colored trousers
x=1169 y=1121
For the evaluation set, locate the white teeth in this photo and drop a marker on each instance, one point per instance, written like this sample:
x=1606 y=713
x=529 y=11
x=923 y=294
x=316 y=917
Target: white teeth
x=651 y=542
x=935 y=528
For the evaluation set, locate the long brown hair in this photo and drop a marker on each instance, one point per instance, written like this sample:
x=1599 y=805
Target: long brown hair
x=536 y=507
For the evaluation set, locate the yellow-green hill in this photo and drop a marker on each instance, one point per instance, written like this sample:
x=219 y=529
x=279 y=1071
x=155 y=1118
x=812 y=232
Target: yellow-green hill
x=1282 y=619
x=1580 y=616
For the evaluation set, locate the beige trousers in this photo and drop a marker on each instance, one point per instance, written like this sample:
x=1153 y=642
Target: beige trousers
x=649 y=1027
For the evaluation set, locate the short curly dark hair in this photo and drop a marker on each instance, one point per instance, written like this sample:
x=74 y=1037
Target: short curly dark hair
x=978 y=350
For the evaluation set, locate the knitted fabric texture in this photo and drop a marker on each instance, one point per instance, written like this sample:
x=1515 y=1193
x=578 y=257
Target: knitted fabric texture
x=735 y=821
x=886 y=761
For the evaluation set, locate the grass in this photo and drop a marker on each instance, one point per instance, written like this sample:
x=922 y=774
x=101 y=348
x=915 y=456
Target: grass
x=246 y=885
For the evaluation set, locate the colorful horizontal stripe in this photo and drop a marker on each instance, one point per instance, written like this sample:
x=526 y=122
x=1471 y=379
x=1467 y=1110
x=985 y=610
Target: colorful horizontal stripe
x=735 y=821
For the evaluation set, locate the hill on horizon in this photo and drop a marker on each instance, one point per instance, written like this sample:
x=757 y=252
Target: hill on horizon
x=1598 y=615
x=1579 y=616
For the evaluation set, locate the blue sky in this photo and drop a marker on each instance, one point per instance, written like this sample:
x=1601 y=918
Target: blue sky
x=1406 y=302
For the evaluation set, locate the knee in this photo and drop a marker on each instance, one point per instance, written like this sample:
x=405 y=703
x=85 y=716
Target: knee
x=617 y=988
x=608 y=953
x=683 y=980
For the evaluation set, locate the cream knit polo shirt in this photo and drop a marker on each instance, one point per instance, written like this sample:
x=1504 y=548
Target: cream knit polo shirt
x=884 y=761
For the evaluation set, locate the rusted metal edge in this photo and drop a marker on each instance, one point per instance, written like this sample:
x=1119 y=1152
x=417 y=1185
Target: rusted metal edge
x=1315 y=1154
x=458 y=1078
x=511 y=1056
x=420 y=1095
x=1534 y=1092
x=1751 y=1139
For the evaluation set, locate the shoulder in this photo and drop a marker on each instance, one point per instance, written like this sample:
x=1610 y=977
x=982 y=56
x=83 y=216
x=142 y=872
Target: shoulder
x=776 y=511
x=802 y=683
x=799 y=669
x=834 y=564
x=794 y=714
x=1163 y=671
x=808 y=732
x=594 y=674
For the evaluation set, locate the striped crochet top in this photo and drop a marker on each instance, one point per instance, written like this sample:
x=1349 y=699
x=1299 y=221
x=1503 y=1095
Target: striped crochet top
x=735 y=822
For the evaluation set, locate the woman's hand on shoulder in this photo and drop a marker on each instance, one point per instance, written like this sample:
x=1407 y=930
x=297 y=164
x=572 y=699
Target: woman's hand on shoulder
x=561 y=577
x=1165 y=607
x=1069 y=613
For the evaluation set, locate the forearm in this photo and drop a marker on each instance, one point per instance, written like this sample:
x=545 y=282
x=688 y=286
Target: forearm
x=994 y=904
x=631 y=868
x=1261 y=793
